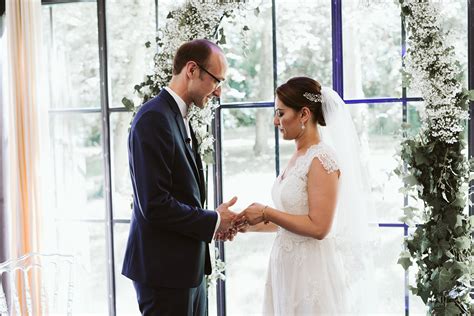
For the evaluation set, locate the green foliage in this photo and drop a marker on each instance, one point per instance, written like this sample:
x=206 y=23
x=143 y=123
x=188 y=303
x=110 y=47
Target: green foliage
x=441 y=246
x=437 y=173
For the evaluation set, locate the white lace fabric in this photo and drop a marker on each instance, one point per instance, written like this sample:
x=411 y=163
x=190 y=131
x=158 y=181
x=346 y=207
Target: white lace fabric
x=305 y=275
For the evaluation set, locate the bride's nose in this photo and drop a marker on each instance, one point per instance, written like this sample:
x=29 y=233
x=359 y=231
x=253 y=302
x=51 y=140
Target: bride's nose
x=276 y=120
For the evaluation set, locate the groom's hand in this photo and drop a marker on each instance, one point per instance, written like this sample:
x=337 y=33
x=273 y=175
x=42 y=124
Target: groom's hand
x=227 y=235
x=236 y=227
x=227 y=216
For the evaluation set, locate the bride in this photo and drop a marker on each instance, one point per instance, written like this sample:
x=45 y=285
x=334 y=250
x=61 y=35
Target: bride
x=319 y=257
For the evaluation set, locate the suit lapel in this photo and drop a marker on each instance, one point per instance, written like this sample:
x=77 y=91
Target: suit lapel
x=182 y=130
x=202 y=185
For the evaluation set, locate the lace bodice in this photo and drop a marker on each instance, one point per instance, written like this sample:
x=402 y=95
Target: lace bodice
x=290 y=193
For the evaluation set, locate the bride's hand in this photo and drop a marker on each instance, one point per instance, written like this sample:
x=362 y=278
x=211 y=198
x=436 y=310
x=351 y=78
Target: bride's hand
x=253 y=214
x=241 y=226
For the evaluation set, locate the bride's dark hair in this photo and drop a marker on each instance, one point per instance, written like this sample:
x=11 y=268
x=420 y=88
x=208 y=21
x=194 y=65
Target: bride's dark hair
x=292 y=93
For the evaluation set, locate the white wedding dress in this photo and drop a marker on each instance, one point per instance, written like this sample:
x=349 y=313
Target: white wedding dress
x=305 y=276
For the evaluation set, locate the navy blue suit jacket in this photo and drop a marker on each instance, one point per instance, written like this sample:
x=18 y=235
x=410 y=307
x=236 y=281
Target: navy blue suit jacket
x=169 y=230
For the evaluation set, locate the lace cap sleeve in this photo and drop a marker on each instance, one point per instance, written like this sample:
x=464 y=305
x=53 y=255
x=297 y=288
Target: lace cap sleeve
x=325 y=155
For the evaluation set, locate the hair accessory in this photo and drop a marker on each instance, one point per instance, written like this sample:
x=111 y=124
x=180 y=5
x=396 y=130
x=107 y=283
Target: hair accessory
x=312 y=97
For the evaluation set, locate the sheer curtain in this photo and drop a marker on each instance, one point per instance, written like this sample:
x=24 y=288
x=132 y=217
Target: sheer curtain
x=26 y=173
x=25 y=124
x=3 y=217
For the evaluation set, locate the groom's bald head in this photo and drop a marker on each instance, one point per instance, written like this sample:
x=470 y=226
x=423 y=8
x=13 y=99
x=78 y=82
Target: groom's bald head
x=199 y=51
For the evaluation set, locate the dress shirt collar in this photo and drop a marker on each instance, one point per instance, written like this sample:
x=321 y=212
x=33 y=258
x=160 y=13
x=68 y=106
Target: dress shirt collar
x=183 y=108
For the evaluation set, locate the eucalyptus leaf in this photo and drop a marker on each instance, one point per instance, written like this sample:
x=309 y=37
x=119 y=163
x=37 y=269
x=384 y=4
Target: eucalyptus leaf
x=463 y=243
x=425 y=244
x=452 y=309
x=421 y=159
x=471 y=95
x=444 y=279
x=129 y=105
x=459 y=220
x=405 y=262
x=222 y=40
x=458 y=269
x=410 y=180
x=444 y=245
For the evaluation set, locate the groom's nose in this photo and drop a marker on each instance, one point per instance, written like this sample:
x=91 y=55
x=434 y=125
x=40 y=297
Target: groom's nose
x=217 y=92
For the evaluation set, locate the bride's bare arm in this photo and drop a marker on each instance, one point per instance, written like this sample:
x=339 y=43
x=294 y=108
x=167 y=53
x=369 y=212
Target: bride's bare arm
x=263 y=228
x=322 y=197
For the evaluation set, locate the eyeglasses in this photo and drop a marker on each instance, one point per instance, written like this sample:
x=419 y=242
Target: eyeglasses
x=218 y=81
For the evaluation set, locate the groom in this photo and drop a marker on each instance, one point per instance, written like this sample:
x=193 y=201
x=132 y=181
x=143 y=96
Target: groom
x=167 y=252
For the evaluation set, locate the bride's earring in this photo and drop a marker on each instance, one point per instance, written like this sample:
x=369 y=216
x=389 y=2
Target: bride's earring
x=302 y=126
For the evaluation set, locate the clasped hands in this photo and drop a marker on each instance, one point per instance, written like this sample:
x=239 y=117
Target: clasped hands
x=233 y=223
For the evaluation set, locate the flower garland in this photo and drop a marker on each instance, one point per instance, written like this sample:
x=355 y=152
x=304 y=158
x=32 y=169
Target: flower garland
x=435 y=170
x=195 y=19
x=218 y=270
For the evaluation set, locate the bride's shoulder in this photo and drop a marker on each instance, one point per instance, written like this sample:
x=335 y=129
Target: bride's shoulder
x=325 y=154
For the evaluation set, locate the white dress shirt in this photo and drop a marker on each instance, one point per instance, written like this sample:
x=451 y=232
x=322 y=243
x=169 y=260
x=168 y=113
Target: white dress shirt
x=183 y=108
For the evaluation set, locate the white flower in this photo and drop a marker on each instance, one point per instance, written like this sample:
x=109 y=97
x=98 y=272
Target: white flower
x=200 y=122
x=431 y=62
x=217 y=270
x=146 y=90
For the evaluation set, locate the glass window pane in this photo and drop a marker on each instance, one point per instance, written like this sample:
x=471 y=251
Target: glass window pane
x=129 y=60
x=250 y=74
x=248 y=173
x=72 y=55
x=454 y=20
x=122 y=192
x=390 y=276
x=304 y=40
x=372 y=49
x=87 y=243
x=76 y=154
x=378 y=127
x=126 y=297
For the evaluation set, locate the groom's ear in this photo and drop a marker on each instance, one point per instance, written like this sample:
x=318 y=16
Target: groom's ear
x=190 y=68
